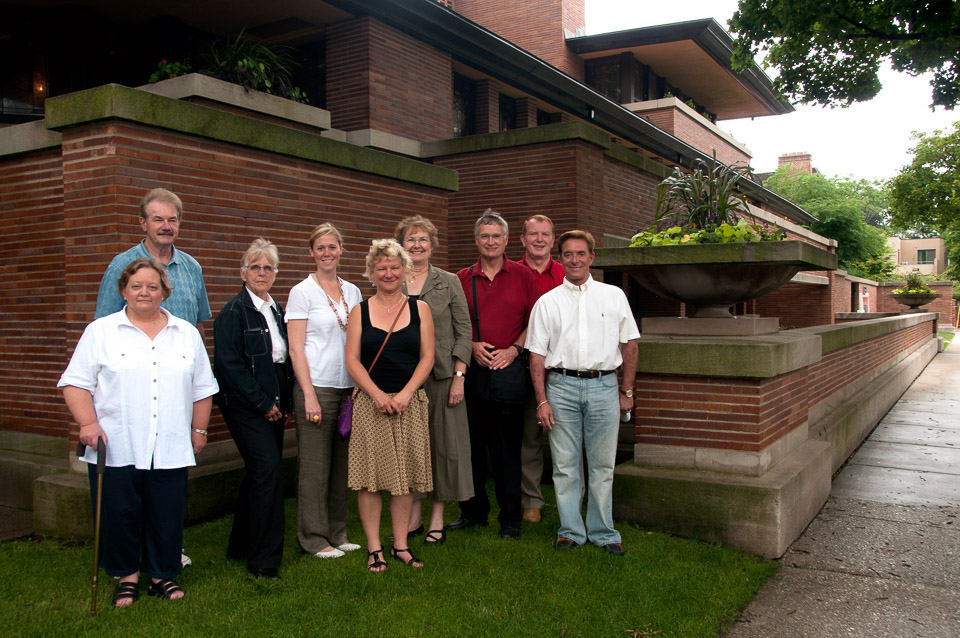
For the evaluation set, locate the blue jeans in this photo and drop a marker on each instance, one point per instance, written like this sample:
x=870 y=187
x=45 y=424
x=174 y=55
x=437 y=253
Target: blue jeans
x=587 y=415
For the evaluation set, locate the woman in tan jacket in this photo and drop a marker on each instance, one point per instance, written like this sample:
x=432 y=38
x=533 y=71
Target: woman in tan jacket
x=449 y=436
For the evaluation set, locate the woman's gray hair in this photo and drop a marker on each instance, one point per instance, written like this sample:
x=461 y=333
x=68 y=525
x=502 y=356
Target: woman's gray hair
x=490 y=216
x=386 y=249
x=260 y=247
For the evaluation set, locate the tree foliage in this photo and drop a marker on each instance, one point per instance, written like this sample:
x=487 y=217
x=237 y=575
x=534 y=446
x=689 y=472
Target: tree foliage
x=829 y=51
x=925 y=194
x=841 y=206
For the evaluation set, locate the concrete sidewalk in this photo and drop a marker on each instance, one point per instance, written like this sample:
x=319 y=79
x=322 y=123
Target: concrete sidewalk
x=883 y=556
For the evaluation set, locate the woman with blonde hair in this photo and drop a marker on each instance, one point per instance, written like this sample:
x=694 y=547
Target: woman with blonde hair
x=318 y=312
x=389 y=354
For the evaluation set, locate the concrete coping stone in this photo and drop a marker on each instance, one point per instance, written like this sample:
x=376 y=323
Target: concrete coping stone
x=27 y=138
x=116 y=102
x=844 y=335
x=758 y=357
x=204 y=86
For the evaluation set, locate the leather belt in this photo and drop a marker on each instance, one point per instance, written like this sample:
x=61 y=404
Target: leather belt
x=582 y=374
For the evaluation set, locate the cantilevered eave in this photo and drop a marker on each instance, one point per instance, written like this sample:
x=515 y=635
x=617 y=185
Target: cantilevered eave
x=479 y=48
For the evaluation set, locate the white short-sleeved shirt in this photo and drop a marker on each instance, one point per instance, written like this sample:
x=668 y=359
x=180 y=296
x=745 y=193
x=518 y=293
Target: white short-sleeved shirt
x=143 y=391
x=325 y=340
x=581 y=327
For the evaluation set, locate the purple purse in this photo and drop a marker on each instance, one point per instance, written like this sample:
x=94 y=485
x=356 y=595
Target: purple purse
x=345 y=420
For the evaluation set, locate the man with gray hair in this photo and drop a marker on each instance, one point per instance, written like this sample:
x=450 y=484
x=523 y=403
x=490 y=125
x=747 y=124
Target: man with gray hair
x=160 y=215
x=500 y=295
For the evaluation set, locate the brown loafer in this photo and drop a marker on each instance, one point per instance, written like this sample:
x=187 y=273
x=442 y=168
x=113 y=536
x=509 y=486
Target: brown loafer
x=531 y=515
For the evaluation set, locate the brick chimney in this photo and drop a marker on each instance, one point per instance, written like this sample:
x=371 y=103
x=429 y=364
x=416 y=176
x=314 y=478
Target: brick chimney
x=538 y=26
x=801 y=162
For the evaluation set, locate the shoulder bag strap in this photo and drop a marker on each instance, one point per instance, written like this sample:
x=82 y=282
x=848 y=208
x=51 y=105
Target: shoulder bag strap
x=382 y=345
x=476 y=309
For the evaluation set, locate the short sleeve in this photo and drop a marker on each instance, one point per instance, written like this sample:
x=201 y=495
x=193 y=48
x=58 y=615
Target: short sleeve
x=538 y=333
x=84 y=367
x=109 y=300
x=298 y=306
x=204 y=383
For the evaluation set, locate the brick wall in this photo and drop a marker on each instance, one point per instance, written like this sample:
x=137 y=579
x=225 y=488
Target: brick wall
x=733 y=414
x=32 y=259
x=231 y=195
x=750 y=414
x=382 y=79
x=797 y=305
x=679 y=124
x=572 y=182
x=537 y=27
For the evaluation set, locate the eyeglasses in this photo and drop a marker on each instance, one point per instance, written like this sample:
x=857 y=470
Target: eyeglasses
x=417 y=240
x=255 y=268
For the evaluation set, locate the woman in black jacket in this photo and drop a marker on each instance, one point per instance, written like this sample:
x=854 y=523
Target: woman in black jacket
x=252 y=366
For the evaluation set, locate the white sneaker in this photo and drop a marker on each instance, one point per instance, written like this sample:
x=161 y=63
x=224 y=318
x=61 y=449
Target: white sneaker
x=185 y=560
x=333 y=552
x=348 y=547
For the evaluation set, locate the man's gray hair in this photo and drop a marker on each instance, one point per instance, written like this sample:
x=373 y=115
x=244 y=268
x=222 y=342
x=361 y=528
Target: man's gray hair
x=490 y=216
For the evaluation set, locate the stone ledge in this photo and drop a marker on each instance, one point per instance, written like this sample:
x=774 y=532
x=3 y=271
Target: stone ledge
x=204 y=86
x=761 y=515
x=844 y=335
x=752 y=357
x=27 y=138
x=113 y=101
x=517 y=137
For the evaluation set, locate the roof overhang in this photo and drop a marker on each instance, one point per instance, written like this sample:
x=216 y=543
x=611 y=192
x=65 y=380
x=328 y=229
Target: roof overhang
x=466 y=41
x=695 y=57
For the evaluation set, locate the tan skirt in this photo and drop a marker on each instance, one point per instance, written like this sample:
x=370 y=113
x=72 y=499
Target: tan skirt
x=390 y=451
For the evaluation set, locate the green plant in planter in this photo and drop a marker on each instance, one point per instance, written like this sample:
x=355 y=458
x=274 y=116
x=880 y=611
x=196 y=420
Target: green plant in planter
x=249 y=63
x=914 y=285
x=701 y=207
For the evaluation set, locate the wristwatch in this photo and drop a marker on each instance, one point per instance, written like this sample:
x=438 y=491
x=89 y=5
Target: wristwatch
x=458 y=373
x=519 y=348
x=628 y=393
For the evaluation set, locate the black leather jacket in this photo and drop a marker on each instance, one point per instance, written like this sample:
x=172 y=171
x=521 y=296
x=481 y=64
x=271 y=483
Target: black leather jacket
x=243 y=358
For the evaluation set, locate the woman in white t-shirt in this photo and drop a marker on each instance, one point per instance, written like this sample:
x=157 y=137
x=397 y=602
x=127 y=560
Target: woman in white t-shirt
x=316 y=317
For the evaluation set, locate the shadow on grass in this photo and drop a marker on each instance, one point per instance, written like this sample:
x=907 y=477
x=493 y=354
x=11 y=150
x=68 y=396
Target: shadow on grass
x=474 y=585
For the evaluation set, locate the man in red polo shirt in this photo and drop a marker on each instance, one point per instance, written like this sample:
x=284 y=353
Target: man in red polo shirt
x=537 y=240
x=505 y=293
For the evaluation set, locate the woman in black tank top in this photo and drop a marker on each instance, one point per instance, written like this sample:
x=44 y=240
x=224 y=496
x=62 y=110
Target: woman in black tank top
x=389 y=353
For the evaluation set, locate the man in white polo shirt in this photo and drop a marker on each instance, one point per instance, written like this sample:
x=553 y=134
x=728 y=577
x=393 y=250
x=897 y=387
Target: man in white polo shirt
x=579 y=334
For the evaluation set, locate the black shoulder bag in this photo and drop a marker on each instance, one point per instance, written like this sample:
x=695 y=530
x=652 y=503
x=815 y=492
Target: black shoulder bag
x=509 y=385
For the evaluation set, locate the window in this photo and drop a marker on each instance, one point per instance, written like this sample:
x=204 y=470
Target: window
x=464 y=105
x=603 y=75
x=508 y=113
x=926 y=256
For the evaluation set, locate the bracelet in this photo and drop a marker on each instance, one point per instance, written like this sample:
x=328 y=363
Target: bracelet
x=541 y=404
x=199 y=431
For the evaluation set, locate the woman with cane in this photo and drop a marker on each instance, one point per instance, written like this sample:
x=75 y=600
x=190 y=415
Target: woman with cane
x=140 y=381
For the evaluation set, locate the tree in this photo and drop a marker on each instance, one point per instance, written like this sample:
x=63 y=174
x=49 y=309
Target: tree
x=841 y=206
x=829 y=51
x=925 y=195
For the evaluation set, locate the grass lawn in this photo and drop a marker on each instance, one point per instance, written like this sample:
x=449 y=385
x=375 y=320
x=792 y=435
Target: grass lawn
x=474 y=585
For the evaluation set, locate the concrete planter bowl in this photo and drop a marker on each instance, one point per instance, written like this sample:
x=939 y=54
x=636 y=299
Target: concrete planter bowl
x=915 y=299
x=714 y=277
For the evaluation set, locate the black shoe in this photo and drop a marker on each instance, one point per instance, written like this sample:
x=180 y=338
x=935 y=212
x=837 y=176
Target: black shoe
x=565 y=543
x=509 y=531
x=266 y=573
x=614 y=548
x=465 y=523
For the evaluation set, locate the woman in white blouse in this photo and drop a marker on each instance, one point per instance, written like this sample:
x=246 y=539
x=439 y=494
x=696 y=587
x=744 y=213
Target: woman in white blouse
x=140 y=380
x=317 y=312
